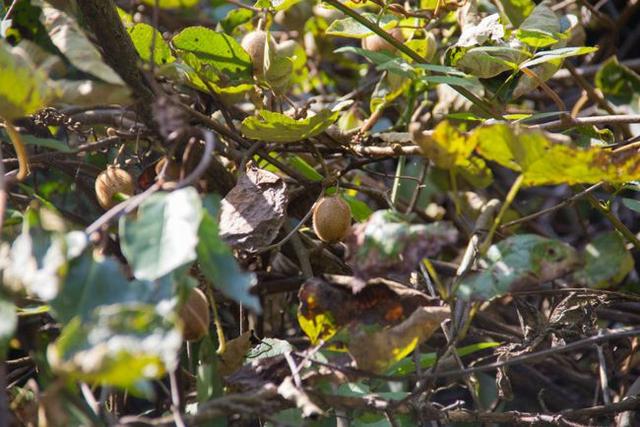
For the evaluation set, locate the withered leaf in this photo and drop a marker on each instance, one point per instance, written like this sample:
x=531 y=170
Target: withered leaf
x=253 y=212
x=389 y=246
x=379 y=325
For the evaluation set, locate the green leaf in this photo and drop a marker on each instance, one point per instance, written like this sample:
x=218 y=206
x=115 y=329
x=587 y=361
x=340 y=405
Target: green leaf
x=164 y=234
x=172 y=4
x=517 y=10
x=50 y=143
x=269 y=347
x=606 y=261
x=632 y=204
x=143 y=36
x=220 y=267
x=617 y=81
x=555 y=54
x=349 y=27
x=541 y=28
x=489 y=61
x=23 y=88
x=69 y=38
x=122 y=345
x=94 y=282
x=517 y=263
x=277 y=127
x=8 y=323
x=276 y=5
x=427 y=360
x=37 y=259
x=217 y=52
x=544 y=162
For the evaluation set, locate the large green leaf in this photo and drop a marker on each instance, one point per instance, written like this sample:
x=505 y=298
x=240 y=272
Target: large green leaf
x=276 y=5
x=517 y=263
x=489 y=61
x=208 y=49
x=164 y=234
x=91 y=283
x=220 y=267
x=143 y=36
x=277 y=127
x=121 y=345
x=23 y=88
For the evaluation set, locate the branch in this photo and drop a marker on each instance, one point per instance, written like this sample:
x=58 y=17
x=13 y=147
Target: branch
x=101 y=16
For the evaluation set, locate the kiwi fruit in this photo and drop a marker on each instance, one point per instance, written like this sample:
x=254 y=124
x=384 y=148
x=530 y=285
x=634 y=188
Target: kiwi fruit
x=254 y=43
x=331 y=219
x=375 y=43
x=194 y=314
x=110 y=182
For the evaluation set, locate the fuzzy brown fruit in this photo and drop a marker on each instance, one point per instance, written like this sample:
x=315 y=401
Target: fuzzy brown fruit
x=375 y=43
x=332 y=219
x=172 y=171
x=110 y=182
x=195 y=316
x=254 y=43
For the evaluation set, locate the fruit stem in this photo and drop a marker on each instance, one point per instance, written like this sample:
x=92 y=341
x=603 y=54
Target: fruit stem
x=222 y=341
x=511 y=196
x=21 y=152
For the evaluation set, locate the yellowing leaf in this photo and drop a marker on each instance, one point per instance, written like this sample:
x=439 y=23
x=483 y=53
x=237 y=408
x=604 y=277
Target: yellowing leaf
x=544 y=162
x=377 y=351
x=450 y=149
x=23 y=88
x=446 y=146
x=276 y=127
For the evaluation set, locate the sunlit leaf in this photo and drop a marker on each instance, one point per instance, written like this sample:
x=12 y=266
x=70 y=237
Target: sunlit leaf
x=349 y=27
x=171 y=4
x=516 y=263
x=143 y=36
x=277 y=127
x=544 y=162
x=23 y=88
x=67 y=35
x=164 y=235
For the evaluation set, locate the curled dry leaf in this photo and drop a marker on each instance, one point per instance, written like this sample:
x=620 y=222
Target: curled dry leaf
x=254 y=210
x=233 y=357
x=388 y=245
x=379 y=325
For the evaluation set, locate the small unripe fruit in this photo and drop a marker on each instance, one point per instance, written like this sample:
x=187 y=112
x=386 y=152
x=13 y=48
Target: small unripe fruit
x=172 y=171
x=332 y=219
x=254 y=43
x=194 y=314
x=110 y=182
x=375 y=43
